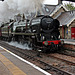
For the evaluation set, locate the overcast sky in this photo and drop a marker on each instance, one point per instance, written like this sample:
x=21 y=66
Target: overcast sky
x=51 y=2
x=54 y=2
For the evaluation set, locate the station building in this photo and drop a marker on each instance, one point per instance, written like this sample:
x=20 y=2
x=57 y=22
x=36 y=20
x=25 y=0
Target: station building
x=67 y=25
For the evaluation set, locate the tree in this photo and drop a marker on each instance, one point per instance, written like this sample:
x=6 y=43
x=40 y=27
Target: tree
x=70 y=6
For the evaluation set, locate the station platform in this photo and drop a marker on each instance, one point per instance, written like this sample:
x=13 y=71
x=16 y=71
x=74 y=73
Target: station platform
x=11 y=64
x=69 y=44
x=69 y=41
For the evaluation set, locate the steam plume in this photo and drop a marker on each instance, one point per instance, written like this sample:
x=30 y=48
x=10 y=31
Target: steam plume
x=9 y=8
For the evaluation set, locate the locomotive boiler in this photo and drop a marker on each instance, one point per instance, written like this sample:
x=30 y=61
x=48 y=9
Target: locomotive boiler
x=41 y=33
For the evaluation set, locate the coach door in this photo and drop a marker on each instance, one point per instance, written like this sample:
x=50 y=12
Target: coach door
x=73 y=33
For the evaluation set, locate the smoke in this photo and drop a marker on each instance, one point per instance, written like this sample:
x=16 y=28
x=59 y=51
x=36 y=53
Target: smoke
x=18 y=45
x=9 y=8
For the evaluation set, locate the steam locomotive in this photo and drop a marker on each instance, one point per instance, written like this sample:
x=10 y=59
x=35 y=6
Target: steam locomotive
x=41 y=33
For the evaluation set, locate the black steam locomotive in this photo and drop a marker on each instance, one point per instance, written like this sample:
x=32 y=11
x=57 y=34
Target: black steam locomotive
x=41 y=33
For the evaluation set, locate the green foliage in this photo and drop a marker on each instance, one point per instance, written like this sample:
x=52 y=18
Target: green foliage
x=19 y=14
x=70 y=6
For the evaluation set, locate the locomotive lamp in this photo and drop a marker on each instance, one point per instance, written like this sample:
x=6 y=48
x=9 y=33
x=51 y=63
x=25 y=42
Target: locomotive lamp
x=62 y=42
x=45 y=43
x=42 y=38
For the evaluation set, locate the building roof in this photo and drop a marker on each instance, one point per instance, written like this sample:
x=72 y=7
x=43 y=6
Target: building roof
x=52 y=9
x=48 y=10
x=66 y=17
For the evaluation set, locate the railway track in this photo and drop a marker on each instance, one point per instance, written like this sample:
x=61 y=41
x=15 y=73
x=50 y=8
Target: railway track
x=64 y=58
x=67 y=52
x=69 y=49
x=46 y=62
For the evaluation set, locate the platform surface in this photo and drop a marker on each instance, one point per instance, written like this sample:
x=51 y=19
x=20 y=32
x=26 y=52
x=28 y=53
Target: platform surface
x=69 y=41
x=11 y=65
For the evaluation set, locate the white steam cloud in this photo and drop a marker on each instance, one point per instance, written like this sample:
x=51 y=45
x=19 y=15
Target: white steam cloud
x=9 y=8
x=16 y=44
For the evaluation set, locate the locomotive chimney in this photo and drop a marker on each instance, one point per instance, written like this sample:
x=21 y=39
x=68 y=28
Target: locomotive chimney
x=59 y=2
